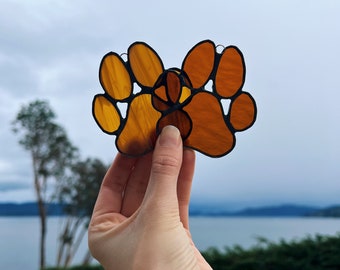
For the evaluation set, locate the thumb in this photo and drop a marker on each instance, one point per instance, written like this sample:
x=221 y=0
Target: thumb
x=166 y=165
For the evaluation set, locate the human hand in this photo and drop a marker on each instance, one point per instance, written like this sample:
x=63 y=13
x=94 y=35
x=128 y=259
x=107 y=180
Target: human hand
x=140 y=220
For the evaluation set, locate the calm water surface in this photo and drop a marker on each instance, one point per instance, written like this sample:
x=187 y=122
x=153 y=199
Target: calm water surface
x=229 y=231
x=19 y=237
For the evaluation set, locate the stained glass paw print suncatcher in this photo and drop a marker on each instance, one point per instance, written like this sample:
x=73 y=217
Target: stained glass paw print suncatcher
x=175 y=96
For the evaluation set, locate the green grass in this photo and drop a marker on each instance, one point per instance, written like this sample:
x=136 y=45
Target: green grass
x=79 y=267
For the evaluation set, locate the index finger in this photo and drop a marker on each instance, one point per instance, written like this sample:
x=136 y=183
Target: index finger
x=184 y=185
x=110 y=195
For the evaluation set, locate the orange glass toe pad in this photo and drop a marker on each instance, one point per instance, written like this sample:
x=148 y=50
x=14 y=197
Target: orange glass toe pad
x=175 y=96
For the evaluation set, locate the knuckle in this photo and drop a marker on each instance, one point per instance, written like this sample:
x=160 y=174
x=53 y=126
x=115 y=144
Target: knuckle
x=166 y=165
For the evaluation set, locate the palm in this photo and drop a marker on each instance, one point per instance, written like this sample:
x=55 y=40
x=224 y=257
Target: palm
x=124 y=205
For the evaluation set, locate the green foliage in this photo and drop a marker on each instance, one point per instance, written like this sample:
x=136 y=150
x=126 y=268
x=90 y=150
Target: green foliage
x=50 y=150
x=80 y=267
x=312 y=253
x=79 y=191
x=76 y=182
x=47 y=142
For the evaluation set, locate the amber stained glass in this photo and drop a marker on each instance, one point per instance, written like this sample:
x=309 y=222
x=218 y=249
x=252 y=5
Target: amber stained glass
x=178 y=97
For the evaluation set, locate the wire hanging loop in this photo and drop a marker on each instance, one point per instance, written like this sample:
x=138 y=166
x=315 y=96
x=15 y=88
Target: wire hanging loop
x=221 y=47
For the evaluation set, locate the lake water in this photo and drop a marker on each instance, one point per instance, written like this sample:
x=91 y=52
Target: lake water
x=19 y=237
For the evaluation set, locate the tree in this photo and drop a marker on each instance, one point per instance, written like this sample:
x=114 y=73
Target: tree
x=51 y=153
x=78 y=192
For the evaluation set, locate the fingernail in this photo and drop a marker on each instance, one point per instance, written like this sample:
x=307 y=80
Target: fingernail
x=170 y=136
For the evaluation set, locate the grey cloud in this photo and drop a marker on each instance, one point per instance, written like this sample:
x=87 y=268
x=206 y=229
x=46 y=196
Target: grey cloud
x=11 y=186
x=52 y=50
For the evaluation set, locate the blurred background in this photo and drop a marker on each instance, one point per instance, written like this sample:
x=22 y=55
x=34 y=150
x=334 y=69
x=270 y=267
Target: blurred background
x=51 y=50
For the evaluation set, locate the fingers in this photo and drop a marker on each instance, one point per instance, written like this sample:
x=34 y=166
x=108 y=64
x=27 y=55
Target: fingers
x=109 y=198
x=166 y=164
x=184 y=185
x=124 y=186
x=136 y=185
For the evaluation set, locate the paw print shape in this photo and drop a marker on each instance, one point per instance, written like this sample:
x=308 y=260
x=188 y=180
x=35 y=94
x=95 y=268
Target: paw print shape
x=174 y=97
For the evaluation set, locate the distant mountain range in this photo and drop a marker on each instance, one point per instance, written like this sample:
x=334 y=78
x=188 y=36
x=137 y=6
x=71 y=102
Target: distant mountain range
x=285 y=210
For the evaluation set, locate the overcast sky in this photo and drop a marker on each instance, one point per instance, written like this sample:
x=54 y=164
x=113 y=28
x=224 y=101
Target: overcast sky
x=52 y=49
